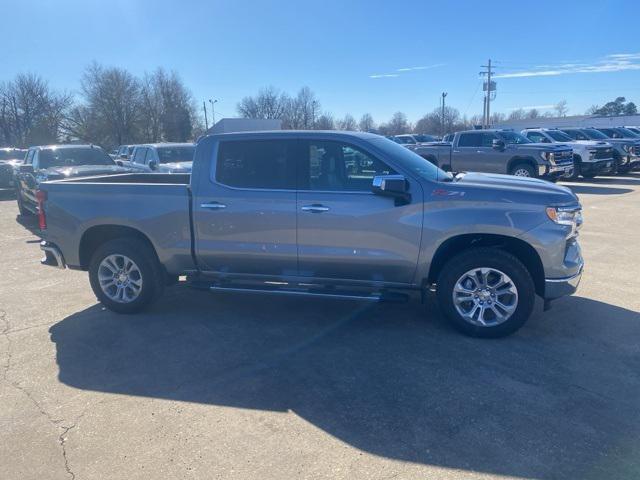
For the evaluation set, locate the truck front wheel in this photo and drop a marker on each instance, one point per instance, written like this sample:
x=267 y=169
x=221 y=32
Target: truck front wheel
x=523 y=170
x=125 y=275
x=486 y=292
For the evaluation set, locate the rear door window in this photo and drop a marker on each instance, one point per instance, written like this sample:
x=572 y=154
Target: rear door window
x=257 y=164
x=470 y=139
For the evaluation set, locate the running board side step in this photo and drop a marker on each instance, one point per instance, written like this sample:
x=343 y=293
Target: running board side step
x=373 y=297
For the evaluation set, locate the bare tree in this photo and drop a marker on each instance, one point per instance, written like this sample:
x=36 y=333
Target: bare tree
x=561 y=108
x=347 y=123
x=432 y=122
x=30 y=111
x=397 y=125
x=592 y=110
x=302 y=110
x=111 y=105
x=366 y=123
x=269 y=103
x=325 y=122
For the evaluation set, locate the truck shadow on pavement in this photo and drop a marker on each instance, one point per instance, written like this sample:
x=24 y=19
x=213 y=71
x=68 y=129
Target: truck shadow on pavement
x=558 y=399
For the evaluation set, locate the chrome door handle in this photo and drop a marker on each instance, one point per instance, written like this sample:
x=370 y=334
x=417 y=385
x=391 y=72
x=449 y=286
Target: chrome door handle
x=315 y=208
x=213 y=206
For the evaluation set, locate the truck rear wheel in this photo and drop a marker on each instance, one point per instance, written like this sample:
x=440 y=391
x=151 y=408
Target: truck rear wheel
x=125 y=275
x=523 y=170
x=486 y=292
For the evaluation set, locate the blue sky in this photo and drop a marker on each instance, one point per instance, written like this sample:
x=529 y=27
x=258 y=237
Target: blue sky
x=358 y=56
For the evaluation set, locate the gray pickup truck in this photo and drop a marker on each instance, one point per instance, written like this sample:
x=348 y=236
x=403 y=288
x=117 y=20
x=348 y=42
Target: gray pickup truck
x=330 y=214
x=499 y=151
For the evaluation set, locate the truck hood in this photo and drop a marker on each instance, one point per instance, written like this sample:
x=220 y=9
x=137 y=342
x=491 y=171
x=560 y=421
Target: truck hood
x=541 y=147
x=175 y=167
x=554 y=194
x=52 y=173
x=622 y=141
x=589 y=143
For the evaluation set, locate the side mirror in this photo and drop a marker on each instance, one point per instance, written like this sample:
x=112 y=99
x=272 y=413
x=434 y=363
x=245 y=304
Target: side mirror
x=119 y=163
x=497 y=144
x=153 y=164
x=123 y=156
x=26 y=169
x=395 y=186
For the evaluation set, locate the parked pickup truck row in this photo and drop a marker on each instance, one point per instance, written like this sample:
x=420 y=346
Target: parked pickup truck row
x=325 y=214
x=499 y=151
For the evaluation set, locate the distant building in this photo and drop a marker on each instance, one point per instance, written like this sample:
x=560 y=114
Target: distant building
x=230 y=125
x=573 y=121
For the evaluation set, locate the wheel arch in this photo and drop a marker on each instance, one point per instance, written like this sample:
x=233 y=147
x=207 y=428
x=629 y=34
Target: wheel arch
x=517 y=247
x=522 y=159
x=98 y=235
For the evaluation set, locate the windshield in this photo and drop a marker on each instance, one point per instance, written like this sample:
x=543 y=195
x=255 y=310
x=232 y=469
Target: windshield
x=61 y=157
x=11 y=154
x=594 y=134
x=559 y=136
x=176 y=154
x=611 y=132
x=627 y=133
x=513 y=138
x=413 y=162
x=425 y=138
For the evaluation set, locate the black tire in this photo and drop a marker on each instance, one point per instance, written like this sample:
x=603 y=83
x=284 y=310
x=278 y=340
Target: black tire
x=523 y=167
x=21 y=208
x=589 y=175
x=494 y=258
x=151 y=273
x=577 y=169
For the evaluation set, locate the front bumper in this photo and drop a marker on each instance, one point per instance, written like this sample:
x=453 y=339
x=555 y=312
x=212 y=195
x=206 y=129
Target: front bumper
x=52 y=255
x=598 y=166
x=559 y=287
x=555 y=170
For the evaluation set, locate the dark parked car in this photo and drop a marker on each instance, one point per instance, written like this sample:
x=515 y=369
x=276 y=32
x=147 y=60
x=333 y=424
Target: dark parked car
x=55 y=162
x=10 y=158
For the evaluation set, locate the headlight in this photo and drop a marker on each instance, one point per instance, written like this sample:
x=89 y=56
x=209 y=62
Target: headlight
x=548 y=157
x=569 y=216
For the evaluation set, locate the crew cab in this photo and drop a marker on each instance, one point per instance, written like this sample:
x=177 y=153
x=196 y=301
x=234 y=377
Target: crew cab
x=162 y=157
x=53 y=162
x=626 y=150
x=590 y=157
x=500 y=151
x=325 y=214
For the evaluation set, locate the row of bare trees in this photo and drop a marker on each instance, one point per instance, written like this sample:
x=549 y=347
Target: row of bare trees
x=303 y=112
x=113 y=107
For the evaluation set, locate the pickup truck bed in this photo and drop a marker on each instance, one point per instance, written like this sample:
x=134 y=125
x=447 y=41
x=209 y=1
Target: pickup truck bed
x=156 y=203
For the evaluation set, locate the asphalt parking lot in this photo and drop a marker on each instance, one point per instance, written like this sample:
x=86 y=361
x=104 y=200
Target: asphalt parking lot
x=206 y=386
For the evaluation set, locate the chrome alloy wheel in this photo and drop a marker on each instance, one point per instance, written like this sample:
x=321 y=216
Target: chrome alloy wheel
x=522 y=172
x=120 y=278
x=485 y=297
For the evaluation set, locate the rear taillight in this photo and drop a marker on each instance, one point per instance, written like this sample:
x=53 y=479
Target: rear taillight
x=41 y=197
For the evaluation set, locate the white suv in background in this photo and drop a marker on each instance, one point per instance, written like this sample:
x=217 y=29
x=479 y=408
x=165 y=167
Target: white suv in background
x=162 y=157
x=590 y=157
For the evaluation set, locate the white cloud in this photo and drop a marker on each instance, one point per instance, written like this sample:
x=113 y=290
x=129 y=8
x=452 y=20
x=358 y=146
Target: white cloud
x=617 y=62
x=405 y=70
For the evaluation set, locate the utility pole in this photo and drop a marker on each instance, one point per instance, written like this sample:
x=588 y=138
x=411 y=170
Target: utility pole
x=213 y=111
x=486 y=117
x=444 y=94
x=206 y=123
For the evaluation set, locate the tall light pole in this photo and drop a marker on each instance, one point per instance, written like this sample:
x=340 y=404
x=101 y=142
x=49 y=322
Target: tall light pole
x=206 y=123
x=213 y=111
x=444 y=94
